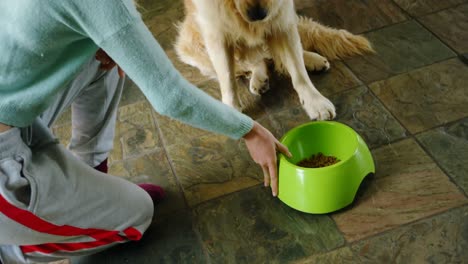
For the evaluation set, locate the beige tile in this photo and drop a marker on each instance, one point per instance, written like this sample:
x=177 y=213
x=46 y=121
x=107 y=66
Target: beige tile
x=451 y=26
x=136 y=131
x=354 y=15
x=422 y=7
x=213 y=165
x=426 y=97
x=408 y=186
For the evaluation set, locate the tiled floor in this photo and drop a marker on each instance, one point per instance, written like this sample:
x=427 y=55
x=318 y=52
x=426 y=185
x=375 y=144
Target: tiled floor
x=410 y=103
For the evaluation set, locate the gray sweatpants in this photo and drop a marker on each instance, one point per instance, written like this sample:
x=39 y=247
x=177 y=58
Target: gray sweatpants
x=53 y=204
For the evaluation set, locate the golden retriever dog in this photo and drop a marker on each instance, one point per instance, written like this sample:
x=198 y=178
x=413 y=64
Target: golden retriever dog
x=225 y=39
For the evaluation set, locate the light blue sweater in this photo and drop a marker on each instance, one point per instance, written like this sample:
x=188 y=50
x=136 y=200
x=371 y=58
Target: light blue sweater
x=44 y=43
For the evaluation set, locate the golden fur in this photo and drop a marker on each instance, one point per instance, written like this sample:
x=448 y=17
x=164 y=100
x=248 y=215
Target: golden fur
x=226 y=38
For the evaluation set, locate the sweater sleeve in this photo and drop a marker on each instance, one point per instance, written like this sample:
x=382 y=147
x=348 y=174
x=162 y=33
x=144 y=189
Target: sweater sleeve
x=136 y=51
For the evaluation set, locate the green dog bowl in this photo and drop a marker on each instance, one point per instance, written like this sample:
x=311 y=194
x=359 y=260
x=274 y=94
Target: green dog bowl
x=326 y=189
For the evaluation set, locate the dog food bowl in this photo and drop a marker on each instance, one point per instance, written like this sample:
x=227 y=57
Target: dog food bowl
x=327 y=189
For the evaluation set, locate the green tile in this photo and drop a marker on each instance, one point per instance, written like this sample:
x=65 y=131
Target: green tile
x=365 y=15
x=362 y=111
x=175 y=132
x=136 y=132
x=288 y=119
x=212 y=166
x=449 y=147
x=408 y=186
x=451 y=26
x=253 y=227
x=131 y=93
x=439 y=239
x=422 y=7
x=426 y=97
x=162 y=21
x=168 y=240
x=399 y=48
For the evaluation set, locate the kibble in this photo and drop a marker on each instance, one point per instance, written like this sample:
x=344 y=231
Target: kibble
x=318 y=160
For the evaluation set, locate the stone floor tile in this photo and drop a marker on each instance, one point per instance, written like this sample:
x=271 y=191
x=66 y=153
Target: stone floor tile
x=365 y=15
x=451 y=26
x=170 y=239
x=426 y=97
x=212 y=166
x=131 y=93
x=408 y=186
x=136 y=131
x=288 y=119
x=157 y=7
x=253 y=227
x=161 y=18
x=175 y=132
x=449 y=147
x=423 y=7
x=152 y=168
x=439 y=239
x=399 y=48
x=361 y=110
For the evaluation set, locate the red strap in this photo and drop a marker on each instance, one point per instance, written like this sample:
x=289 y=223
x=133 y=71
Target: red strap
x=30 y=220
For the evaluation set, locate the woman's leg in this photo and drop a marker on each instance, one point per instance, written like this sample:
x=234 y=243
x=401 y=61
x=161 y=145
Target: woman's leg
x=54 y=205
x=94 y=97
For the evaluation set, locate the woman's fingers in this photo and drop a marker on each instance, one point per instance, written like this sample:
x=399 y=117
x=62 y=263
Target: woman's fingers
x=121 y=72
x=107 y=63
x=266 y=176
x=107 y=66
x=273 y=178
x=283 y=149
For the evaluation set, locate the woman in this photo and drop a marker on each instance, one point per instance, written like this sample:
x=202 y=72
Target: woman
x=53 y=203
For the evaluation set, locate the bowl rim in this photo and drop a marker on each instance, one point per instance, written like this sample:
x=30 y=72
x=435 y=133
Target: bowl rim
x=341 y=162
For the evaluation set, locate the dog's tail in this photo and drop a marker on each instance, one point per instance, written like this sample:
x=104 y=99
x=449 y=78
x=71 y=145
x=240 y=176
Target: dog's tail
x=329 y=42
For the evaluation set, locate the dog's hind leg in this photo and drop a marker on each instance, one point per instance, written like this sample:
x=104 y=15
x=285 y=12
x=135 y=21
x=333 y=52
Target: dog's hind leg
x=315 y=62
x=259 y=82
x=190 y=48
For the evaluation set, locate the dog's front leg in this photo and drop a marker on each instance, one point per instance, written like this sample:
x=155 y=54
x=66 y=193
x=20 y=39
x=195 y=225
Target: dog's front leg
x=287 y=50
x=222 y=57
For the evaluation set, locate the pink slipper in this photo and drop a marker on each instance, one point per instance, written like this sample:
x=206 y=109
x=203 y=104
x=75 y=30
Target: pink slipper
x=156 y=192
x=102 y=167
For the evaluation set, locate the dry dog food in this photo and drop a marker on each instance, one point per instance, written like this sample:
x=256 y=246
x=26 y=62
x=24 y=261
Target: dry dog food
x=318 y=161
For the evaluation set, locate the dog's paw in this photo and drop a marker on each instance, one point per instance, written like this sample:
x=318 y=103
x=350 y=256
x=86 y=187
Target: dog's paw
x=316 y=62
x=259 y=86
x=318 y=107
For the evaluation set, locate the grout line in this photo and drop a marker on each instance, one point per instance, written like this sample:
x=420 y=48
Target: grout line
x=436 y=36
x=171 y=164
x=417 y=20
x=449 y=176
x=409 y=224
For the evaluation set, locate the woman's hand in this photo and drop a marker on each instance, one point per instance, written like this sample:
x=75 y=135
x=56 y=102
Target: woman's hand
x=107 y=63
x=262 y=146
